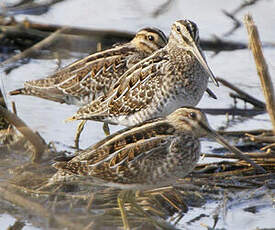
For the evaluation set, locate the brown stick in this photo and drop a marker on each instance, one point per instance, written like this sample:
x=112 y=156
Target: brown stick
x=262 y=68
x=37 y=31
x=37 y=142
x=38 y=46
x=267 y=147
x=81 y=31
x=245 y=99
x=261 y=138
x=245 y=96
x=234 y=111
x=232 y=156
x=207 y=44
x=242 y=133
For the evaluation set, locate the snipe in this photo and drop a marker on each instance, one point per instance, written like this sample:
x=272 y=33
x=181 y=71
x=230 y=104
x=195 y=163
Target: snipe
x=172 y=77
x=90 y=77
x=152 y=154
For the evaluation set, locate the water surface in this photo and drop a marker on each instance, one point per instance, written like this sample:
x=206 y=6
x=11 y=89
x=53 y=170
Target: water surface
x=236 y=66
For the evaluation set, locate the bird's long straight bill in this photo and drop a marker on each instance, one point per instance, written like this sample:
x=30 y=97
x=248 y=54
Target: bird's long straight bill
x=202 y=61
x=231 y=148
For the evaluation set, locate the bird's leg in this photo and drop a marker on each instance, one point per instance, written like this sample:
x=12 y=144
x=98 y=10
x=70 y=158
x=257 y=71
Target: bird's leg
x=121 y=201
x=79 y=130
x=106 y=129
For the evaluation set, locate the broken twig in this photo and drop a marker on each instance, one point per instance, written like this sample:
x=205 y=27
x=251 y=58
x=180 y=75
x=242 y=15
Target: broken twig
x=262 y=68
x=37 y=142
x=252 y=100
x=38 y=46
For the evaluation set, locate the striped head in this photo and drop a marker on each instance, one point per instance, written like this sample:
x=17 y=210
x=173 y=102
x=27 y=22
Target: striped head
x=149 y=40
x=185 y=36
x=190 y=120
x=184 y=33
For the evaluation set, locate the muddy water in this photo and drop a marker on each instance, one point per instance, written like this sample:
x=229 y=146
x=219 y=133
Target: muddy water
x=236 y=66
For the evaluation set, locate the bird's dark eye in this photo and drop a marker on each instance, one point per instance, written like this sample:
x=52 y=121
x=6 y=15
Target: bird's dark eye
x=150 y=38
x=192 y=115
x=178 y=29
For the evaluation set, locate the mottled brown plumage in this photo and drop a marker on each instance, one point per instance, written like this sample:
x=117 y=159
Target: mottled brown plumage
x=92 y=76
x=172 y=77
x=149 y=155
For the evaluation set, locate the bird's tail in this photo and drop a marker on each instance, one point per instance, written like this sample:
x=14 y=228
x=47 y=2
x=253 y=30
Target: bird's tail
x=18 y=91
x=38 y=93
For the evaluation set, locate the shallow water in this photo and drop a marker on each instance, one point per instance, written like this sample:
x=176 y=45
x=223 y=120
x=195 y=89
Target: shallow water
x=236 y=66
